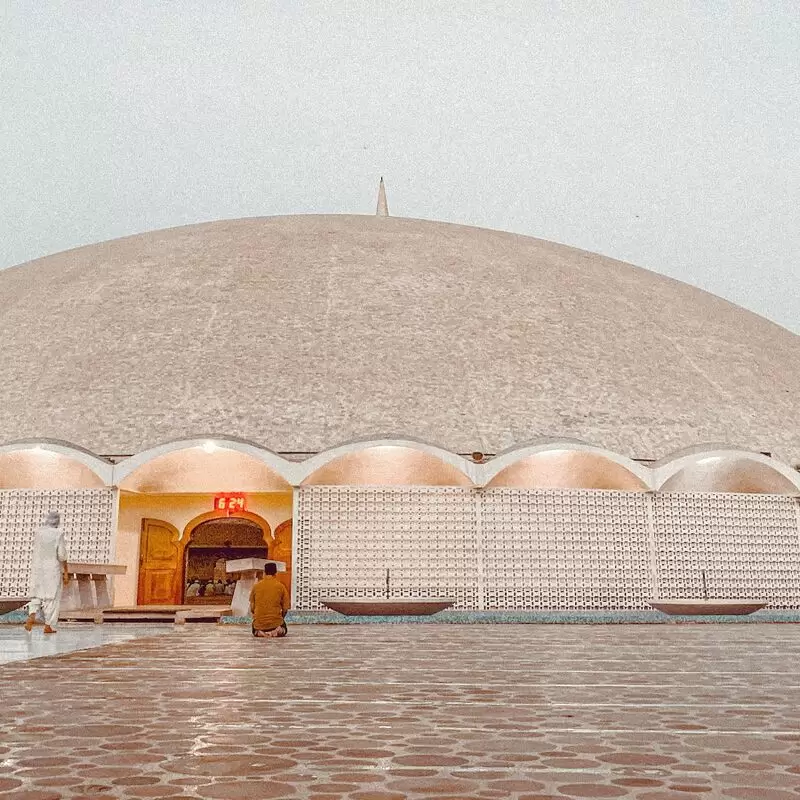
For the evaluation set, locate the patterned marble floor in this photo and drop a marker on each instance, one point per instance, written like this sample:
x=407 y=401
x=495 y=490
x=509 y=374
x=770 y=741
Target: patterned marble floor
x=410 y=711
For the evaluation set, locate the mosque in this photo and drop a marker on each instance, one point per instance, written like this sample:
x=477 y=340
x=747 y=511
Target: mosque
x=505 y=421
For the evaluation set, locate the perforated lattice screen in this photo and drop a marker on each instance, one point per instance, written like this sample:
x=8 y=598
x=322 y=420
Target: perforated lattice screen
x=347 y=537
x=529 y=549
x=87 y=517
x=565 y=549
x=749 y=545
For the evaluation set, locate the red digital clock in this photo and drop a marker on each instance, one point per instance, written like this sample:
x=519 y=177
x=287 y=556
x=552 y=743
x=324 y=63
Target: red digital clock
x=230 y=503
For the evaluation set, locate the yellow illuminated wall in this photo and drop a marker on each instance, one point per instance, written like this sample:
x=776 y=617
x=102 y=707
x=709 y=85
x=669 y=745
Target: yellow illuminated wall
x=179 y=510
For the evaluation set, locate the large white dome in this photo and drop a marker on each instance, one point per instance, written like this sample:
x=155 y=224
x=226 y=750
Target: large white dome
x=301 y=332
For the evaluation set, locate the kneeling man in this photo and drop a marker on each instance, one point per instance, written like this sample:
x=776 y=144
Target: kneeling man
x=269 y=602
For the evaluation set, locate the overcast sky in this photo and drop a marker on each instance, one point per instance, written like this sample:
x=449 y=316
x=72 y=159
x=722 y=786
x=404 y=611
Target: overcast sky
x=664 y=134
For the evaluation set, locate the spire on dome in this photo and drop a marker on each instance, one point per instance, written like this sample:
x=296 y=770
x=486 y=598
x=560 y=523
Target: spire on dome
x=383 y=206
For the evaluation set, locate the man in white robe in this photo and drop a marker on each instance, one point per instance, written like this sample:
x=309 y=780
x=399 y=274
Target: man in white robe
x=48 y=573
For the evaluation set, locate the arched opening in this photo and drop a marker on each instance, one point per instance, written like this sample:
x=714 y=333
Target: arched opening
x=38 y=468
x=729 y=473
x=387 y=465
x=194 y=469
x=216 y=537
x=170 y=563
x=567 y=469
x=178 y=484
x=210 y=546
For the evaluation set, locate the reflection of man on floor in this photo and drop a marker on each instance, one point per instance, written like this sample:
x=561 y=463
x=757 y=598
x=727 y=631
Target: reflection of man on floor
x=269 y=602
x=48 y=573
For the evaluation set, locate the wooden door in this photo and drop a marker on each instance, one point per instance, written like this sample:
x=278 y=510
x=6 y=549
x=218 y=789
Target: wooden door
x=159 y=559
x=281 y=550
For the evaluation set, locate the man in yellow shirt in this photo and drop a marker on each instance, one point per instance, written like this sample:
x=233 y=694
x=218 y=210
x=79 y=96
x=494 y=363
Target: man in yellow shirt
x=269 y=602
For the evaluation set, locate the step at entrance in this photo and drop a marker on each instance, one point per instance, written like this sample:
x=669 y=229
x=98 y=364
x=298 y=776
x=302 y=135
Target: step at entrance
x=177 y=615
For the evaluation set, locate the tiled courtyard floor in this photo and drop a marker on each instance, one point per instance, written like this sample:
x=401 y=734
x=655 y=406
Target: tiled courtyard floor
x=381 y=712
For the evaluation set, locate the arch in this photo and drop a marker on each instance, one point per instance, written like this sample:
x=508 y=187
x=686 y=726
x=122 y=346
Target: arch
x=563 y=463
x=209 y=516
x=388 y=465
x=695 y=450
x=320 y=460
x=203 y=465
x=48 y=464
x=725 y=470
x=567 y=469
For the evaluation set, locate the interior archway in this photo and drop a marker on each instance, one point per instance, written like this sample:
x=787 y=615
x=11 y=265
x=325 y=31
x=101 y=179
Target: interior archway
x=209 y=543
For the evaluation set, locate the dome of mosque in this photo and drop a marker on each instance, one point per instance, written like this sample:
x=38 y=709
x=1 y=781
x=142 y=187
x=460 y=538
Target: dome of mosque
x=302 y=332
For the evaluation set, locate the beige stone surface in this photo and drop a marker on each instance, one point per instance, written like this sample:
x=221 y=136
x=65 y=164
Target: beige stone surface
x=302 y=332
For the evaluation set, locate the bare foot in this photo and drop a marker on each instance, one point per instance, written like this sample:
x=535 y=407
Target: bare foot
x=48 y=629
x=30 y=622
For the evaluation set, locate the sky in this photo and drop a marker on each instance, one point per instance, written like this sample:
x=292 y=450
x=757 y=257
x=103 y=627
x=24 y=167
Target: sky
x=663 y=134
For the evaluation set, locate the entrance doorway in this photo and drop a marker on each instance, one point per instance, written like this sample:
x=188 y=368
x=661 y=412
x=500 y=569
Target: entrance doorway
x=191 y=569
x=211 y=545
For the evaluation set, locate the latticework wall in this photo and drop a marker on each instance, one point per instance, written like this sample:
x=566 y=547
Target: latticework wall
x=531 y=549
x=87 y=517
x=347 y=537
x=748 y=544
x=565 y=549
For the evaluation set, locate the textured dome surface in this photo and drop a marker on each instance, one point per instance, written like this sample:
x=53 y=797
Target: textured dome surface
x=302 y=332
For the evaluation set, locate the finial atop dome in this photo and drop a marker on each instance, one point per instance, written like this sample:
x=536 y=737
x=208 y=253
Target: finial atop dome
x=383 y=206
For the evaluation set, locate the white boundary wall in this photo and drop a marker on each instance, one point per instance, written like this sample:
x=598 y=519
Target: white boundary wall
x=529 y=549
x=348 y=537
x=749 y=544
x=567 y=549
x=87 y=517
x=488 y=549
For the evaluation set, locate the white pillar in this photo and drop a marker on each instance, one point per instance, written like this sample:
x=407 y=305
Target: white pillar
x=477 y=495
x=293 y=590
x=114 y=537
x=652 y=545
